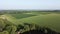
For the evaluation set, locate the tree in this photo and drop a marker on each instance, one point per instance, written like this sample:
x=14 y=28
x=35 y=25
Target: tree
x=13 y=29
x=5 y=32
x=2 y=24
x=26 y=28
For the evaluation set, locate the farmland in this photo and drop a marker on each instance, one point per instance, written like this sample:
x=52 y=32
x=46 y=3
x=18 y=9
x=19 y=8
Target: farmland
x=42 y=19
x=49 y=20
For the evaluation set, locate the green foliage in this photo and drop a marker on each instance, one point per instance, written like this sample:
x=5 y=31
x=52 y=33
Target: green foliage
x=44 y=19
x=19 y=16
x=9 y=28
x=26 y=28
x=13 y=29
x=5 y=32
x=22 y=31
x=2 y=24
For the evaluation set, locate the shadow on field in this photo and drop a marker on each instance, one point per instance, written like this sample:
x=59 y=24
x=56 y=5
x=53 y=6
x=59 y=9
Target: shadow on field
x=41 y=31
x=37 y=29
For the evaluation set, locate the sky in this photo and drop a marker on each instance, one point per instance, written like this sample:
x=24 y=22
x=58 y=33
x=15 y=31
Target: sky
x=30 y=4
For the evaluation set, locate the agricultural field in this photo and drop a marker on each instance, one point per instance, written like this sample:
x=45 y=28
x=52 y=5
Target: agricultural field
x=48 y=20
x=42 y=19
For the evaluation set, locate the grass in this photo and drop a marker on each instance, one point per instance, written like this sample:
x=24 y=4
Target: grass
x=45 y=20
x=20 y=16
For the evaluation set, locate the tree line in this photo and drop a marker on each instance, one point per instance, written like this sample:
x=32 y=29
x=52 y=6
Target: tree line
x=7 y=27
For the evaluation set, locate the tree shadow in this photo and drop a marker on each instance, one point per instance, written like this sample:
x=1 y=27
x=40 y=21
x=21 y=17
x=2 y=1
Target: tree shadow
x=41 y=31
x=37 y=30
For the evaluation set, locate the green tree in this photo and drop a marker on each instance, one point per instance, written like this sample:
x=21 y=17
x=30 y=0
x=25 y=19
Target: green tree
x=2 y=24
x=26 y=28
x=13 y=29
x=5 y=32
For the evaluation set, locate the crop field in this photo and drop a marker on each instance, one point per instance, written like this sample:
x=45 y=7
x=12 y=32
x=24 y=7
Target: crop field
x=51 y=20
x=19 y=16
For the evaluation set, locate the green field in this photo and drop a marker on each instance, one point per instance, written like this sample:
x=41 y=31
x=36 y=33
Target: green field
x=51 y=20
x=19 y=16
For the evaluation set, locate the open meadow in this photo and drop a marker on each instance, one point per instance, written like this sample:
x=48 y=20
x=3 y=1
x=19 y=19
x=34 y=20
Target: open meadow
x=42 y=19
